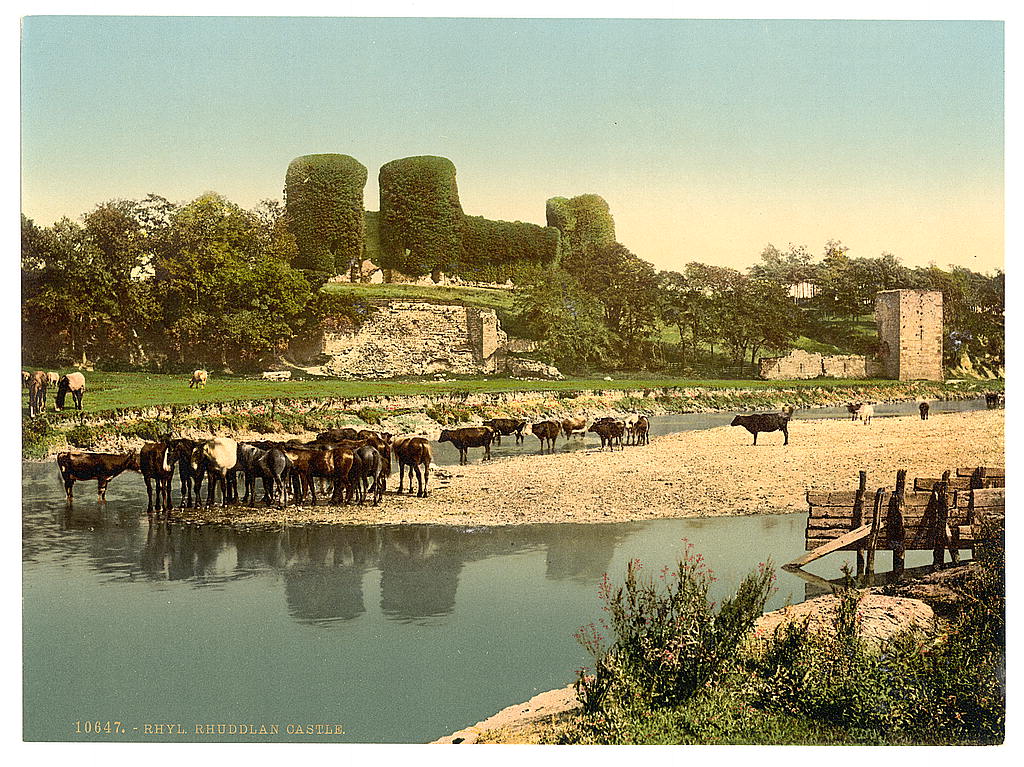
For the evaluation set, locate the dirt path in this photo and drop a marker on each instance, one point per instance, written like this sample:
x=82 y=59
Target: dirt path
x=693 y=474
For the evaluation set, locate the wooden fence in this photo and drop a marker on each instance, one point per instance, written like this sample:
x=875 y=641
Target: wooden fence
x=938 y=514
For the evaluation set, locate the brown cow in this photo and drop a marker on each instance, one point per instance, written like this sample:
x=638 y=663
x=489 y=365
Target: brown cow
x=74 y=383
x=37 y=383
x=156 y=462
x=335 y=434
x=639 y=432
x=413 y=452
x=102 y=467
x=507 y=426
x=610 y=430
x=467 y=437
x=574 y=426
x=25 y=375
x=309 y=463
x=547 y=432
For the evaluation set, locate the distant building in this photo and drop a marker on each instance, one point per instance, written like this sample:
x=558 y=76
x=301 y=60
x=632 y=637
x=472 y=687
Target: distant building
x=802 y=291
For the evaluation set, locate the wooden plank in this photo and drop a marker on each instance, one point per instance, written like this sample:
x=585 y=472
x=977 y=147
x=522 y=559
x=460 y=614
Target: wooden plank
x=829 y=524
x=988 y=471
x=840 y=498
x=929 y=483
x=876 y=522
x=995 y=496
x=830 y=512
x=858 y=515
x=853 y=536
x=895 y=522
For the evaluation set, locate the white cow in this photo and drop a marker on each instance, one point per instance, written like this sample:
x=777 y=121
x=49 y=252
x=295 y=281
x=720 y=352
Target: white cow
x=198 y=379
x=866 y=412
x=216 y=457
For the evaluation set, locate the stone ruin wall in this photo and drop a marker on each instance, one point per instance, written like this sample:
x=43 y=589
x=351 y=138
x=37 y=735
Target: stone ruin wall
x=909 y=345
x=416 y=339
x=910 y=334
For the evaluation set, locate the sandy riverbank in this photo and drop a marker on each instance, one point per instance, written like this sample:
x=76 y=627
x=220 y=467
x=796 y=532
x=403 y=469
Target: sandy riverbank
x=692 y=474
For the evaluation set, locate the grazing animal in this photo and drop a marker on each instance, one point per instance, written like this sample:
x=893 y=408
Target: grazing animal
x=571 y=426
x=271 y=465
x=368 y=473
x=74 y=383
x=217 y=457
x=503 y=427
x=610 y=430
x=640 y=434
x=924 y=407
x=547 y=432
x=994 y=399
x=413 y=452
x=335 y=434
x=25 y=375
x=156 y=462
x=467 y=437
x=866 y=413
x=853 y=410
x=37 y=383
x=199 y=378
x=310 y=462
x=52 y=379
x=102 y=467
x=759 y=422
x=183 y=451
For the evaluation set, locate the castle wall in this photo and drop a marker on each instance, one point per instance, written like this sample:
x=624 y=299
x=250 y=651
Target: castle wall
x=414 y=339
x=910 y=334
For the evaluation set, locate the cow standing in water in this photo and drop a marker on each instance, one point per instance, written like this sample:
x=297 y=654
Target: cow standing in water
x=102 y=467
x=74 y=383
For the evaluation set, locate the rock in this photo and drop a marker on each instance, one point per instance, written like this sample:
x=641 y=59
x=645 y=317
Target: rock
x=880 y=617
x=519 y=367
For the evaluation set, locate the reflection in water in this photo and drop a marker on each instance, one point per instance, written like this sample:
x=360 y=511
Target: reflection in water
x=584 y=552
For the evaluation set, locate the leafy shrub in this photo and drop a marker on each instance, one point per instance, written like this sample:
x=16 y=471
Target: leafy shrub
x=371 y=415
x=669 y=639
x=84 y=436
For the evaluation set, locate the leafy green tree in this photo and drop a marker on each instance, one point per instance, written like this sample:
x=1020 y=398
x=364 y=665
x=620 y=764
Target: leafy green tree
x=324 y=202
x=785 y=268
x=585 y=223
x=568 y=322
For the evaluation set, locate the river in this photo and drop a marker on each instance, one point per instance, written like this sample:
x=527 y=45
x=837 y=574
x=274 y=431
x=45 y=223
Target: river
x=389 y=634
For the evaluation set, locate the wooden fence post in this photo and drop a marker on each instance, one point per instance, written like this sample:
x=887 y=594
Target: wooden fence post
x=895 y=526
x=876 y=517
x=941 y=522
x=858 y=517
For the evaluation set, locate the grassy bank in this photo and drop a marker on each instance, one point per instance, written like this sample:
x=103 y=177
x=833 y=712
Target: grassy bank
x=127 y=407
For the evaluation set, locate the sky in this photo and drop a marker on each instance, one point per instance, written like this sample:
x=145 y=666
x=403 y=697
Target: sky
x=708 y=138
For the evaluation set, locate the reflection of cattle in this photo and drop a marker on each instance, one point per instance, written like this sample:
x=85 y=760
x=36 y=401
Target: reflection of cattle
x=37 y=383
x=156 y=462
x=759 y=422
x=639 y=433
x=610 y=430
x=924 y=407
x=547 y=432
x=506 y=426
x=199 y=378
x=574 y=427
x=853 y=409
x=467 y=437
x=102 y=467
x=74 y=383
x=413 y=452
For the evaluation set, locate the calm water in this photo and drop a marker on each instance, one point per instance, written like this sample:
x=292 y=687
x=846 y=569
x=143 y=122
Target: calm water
x=399 y=634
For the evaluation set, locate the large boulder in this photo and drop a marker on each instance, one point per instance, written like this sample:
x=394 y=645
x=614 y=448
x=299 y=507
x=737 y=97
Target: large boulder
x=519 y=367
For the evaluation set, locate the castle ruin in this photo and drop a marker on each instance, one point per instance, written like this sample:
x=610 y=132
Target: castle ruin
x=910 y=334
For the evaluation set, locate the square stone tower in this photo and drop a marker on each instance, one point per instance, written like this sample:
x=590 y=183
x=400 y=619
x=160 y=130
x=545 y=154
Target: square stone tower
x=910 y=334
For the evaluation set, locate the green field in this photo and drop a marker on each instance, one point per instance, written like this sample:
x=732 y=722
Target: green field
x=485 y=298
x=112 y=390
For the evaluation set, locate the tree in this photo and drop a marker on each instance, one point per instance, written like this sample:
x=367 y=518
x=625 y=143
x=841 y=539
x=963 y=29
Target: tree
x=585 y=223
x=568 y=322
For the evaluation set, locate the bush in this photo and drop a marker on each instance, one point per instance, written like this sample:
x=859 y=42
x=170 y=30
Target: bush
x=669 y=639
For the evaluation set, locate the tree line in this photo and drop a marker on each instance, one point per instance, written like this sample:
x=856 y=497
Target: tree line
x=605 y=306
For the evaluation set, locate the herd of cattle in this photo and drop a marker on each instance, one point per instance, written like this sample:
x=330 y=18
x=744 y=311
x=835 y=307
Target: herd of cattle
x=356 y=463
x=40 y=381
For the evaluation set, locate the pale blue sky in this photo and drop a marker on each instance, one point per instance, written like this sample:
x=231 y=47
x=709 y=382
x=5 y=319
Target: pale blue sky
x=709 y=139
